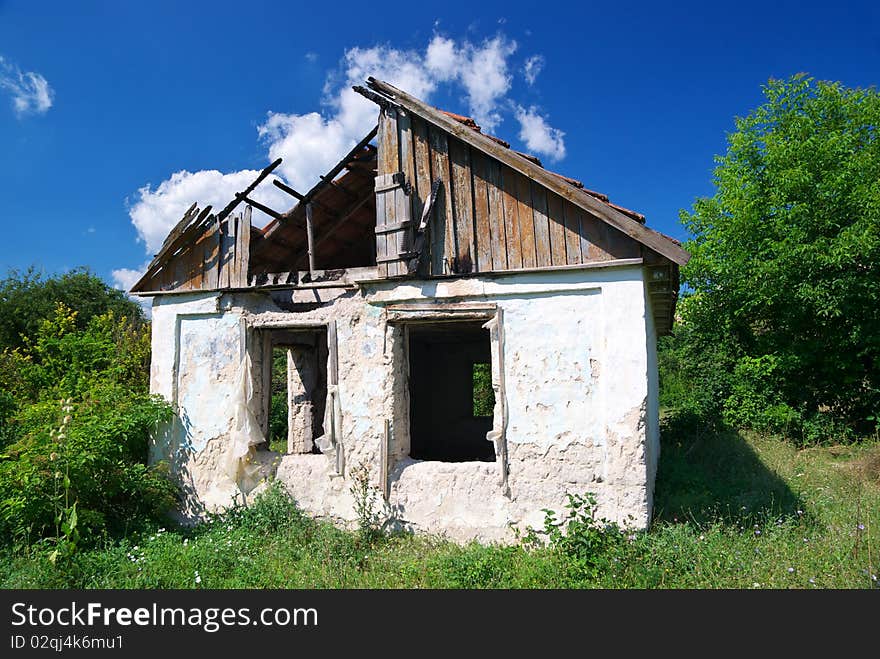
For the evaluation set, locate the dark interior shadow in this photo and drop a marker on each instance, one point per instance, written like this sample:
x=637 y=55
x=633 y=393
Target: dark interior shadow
x=717 y=476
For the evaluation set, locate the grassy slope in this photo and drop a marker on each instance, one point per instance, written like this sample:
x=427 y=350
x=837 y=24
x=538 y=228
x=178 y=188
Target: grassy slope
x=732 y=512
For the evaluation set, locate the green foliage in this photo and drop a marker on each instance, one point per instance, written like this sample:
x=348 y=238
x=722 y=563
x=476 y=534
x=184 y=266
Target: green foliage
x=73 y=472
x=278 y=407
x=780 y=326
x=367 y=508
x=28 y=298
x=483 y=393
x=588 y=544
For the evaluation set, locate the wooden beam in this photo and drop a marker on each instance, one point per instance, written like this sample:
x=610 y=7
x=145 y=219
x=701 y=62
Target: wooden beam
x=343 y=217
x=238 y=197
x=268 y=211
x=293 y=193
x=648 y=237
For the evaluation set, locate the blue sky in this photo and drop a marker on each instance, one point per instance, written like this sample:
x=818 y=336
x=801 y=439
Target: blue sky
x=191 y=98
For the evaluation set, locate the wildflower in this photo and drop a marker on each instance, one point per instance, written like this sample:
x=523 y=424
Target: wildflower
x=702 y=537
x=66 y=419
x=800 y=512
x=812 y=580
x=53 y=456
x=757 y=531
x=873 y=577
x=790 y=570
x=861 y=527
x=198 y=578
x=755 y=584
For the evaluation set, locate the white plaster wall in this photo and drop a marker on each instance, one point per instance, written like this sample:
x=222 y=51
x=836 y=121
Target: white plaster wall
x=578 y=354
x=653 y=412
x=196 y=354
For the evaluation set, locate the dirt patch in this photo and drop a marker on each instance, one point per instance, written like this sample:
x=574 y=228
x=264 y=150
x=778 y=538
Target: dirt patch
x=867 y=467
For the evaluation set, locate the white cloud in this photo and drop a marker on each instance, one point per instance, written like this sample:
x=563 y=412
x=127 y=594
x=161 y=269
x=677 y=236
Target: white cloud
x=30 y=91
x=312 y=143
x=125 y=278
x=311 y=57
x=157 y=210
x=538 y=135
x=482 y=70
x=533 y=67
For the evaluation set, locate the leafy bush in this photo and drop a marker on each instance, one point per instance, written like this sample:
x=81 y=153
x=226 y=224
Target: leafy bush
x=80 y=470
x=588 y=544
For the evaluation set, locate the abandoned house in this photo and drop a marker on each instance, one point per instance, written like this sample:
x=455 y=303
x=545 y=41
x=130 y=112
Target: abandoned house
x=476 y=331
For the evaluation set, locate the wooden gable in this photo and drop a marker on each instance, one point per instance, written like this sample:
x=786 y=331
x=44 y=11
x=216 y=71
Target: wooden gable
x=495 y=209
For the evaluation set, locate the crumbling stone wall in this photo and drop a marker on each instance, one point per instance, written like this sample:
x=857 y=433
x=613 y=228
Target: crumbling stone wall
x=581 y=410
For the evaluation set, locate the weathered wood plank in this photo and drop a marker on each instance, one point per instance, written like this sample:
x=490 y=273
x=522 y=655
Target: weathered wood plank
x=244 y=243
x=594 y=238
x=442 y=237
x=498 y=247
x=526 y=221
x=407 y=205
x=227 y=251
x=423 y=181
x=380 y=240
x=388 y=163
x=606 y=213
x=483 y=234
x=571 y=215
x=462 y=206
x=210 y=258
x=332 y=356
x=557 y=229
x=511 y=223
x=542 y=226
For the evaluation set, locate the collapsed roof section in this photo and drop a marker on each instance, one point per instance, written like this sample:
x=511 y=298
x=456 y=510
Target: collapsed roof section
x=433 y=197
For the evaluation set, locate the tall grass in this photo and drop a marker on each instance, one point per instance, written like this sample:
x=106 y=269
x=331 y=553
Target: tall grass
x=732 y=511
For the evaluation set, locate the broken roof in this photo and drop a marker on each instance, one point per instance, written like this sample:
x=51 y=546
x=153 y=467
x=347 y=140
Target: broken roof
x=466 y=129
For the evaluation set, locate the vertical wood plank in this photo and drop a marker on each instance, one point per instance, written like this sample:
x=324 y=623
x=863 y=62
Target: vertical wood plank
x=557 y=229
x=210 y=258
x=422 y=155
x=332 y=356
x=542 y=226
x=594 y=237
x=408 y=205
x=235 y=274
x=511 y=223
x=483 y=234
x=572 y=233
x=194 y=264
x=227 y=251
x=526 y=221
x=244 y=258
x=498 y=246
x=462 y=205
x=178 y=268
x=388 y=163
x=382 y=268
x=442 y=238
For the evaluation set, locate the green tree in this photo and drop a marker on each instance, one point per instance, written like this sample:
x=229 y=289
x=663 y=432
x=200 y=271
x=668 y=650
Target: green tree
x=782 y=312
x=28 y=298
